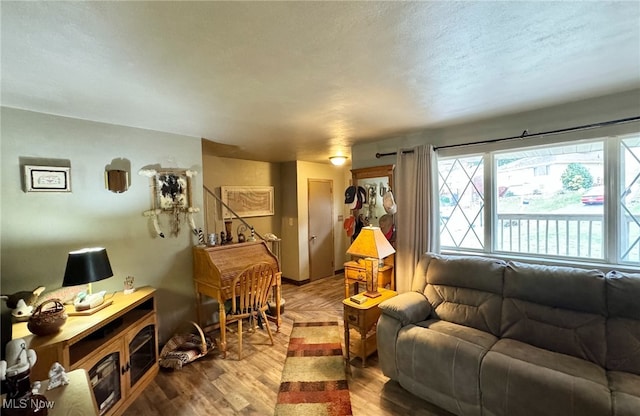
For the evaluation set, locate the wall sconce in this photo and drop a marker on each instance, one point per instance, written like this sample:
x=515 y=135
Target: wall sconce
x=116 y=180
x=338 y=160
x=116 y=175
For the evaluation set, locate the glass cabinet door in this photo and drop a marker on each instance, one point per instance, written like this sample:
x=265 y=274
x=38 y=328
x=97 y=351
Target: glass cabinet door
x=142 y=353
x=105 y=382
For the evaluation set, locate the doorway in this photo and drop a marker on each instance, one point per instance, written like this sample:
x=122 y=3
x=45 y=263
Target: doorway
x=321 y=248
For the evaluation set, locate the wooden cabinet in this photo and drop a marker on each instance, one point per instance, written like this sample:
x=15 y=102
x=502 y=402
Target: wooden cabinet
x=117 y=346
x=354 y=274
x=363 y=319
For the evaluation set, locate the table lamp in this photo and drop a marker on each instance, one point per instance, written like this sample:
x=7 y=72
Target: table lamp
x=373 y=246
x=86 y=266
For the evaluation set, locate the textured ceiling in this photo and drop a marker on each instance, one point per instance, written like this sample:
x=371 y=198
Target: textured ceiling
x=280 y=81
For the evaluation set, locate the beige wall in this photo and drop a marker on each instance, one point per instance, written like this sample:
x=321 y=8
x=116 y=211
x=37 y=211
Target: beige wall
x=610 y=107
x=39 y=229
x=306 y=171
x=220 y=171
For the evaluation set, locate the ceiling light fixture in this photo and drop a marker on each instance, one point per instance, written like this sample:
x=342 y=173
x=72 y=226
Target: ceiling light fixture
x=338 y=160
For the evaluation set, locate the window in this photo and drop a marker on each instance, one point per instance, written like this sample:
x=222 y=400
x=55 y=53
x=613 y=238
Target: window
x=577 y=200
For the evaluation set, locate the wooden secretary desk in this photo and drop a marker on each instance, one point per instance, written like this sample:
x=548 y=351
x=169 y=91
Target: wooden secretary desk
x=214 y=269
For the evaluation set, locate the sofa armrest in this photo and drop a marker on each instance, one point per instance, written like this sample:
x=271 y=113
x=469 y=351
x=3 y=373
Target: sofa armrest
x=408 y=308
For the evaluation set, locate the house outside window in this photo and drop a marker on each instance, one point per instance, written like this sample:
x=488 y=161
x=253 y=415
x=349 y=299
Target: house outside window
x=575 y=201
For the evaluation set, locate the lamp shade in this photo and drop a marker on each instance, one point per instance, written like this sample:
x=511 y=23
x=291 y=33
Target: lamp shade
x=87 y=266
x=371 y=243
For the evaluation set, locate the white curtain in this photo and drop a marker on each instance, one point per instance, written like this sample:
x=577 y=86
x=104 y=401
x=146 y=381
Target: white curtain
x=416 y=221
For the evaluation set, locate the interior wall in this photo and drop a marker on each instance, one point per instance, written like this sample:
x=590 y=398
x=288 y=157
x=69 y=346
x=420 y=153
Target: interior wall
x=40 y=228
x=289 y=222
x=306 y=171
x=220 y=171
x=578 y=113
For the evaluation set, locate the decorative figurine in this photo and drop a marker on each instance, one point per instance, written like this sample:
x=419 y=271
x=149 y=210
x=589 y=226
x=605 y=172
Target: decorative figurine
x=57 y=376
x=128 y=285
x=20 y=399
x=23 y=302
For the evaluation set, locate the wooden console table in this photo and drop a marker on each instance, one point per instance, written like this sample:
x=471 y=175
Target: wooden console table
x=117 y=346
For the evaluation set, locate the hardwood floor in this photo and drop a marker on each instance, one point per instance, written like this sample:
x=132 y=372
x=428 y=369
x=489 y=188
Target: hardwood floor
x=217 y=386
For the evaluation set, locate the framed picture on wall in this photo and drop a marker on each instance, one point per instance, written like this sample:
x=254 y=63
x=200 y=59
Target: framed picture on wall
x=47 y=178
x=247 y=201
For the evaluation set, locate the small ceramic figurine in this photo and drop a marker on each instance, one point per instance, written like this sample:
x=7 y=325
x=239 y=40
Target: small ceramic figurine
x=128 y=285
x=23 y=302
x=57 y=376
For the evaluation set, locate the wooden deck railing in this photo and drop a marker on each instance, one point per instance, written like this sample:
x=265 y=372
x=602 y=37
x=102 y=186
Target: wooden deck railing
x=573 y=235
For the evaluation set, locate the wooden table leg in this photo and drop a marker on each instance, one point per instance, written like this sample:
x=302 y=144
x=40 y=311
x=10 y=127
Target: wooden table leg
x=363 y=341
x=223 y=328
x=278 y=300
x=346 y=342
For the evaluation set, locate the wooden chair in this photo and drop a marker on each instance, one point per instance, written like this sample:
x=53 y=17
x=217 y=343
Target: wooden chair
x=250 y=291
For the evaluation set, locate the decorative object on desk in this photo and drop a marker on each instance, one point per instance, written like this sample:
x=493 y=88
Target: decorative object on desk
x=171 y=193
x=314 y=381
x=227 y=227
x=20 y=400
x=240 y=231
x=198 y=232
x=129 y=288
x=46 y=321
x=223 y=237
x=373 y=246
x=57 y=376
x=22 y=302
x=85 y=267
x=182 y=349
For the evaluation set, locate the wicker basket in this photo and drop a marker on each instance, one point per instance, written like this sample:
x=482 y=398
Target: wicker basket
x=47 y=321
x=182 y=349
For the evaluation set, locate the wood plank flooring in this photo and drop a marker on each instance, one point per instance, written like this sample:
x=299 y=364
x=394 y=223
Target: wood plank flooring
x=217 y=386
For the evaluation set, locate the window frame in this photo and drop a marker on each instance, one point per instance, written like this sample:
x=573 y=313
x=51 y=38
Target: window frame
x=611 y=136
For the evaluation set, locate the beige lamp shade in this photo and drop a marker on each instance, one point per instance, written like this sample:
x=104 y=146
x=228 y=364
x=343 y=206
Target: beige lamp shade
x=371 y=243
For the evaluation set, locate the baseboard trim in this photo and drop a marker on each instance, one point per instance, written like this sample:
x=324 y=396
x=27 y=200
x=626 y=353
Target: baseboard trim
x=295 y=282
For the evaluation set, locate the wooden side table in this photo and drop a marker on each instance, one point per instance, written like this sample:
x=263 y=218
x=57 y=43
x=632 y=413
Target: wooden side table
x=354 y=274
x=364 y=318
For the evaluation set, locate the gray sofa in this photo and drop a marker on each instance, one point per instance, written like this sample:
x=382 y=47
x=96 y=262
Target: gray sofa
x=479 y=336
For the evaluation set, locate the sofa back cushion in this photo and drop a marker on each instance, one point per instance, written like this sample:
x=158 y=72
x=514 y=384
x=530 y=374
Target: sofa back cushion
x=623 y=325
x=562 y=309
x=463 y=289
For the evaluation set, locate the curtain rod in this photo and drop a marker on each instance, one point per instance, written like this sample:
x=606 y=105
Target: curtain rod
x=525 y=134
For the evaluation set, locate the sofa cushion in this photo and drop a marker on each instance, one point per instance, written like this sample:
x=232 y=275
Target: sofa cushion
x=466 y=290
x=623 y=325
x=561 y=309
x=625 y=392
x=520 y=379
x=440 y=361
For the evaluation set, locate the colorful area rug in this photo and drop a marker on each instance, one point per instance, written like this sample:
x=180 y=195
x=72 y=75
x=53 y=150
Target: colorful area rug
x=313 y=379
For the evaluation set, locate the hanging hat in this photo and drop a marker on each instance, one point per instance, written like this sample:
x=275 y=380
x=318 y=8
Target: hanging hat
x=349 y=195
x=386 y=225
x=362 y=197
x=389 y=203
x=349 y=225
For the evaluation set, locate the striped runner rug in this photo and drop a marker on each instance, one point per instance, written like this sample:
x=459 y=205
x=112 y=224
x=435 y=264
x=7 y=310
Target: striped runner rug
x=313 y=379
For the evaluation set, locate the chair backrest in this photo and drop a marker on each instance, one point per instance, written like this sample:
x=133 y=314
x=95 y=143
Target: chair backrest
x=251 y=288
